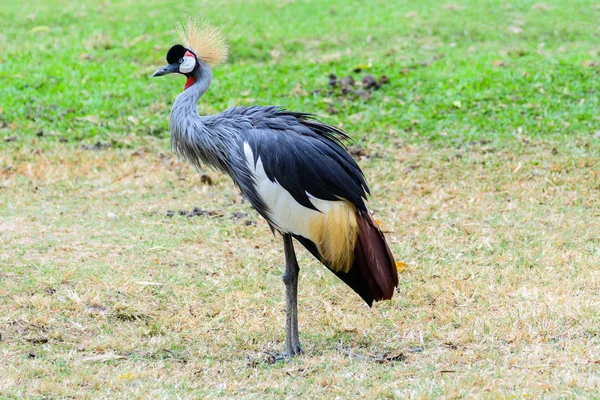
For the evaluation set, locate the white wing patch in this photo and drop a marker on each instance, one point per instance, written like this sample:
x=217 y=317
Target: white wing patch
x=286 y=213
x=188 y=64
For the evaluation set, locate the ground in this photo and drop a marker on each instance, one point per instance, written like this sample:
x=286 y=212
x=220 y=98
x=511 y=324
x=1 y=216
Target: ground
x=125 y=273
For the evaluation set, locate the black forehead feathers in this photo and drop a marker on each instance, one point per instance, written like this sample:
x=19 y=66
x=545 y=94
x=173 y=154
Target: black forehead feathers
x=175 y=53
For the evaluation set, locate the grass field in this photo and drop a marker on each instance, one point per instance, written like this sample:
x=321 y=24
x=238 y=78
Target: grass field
x=481 y=151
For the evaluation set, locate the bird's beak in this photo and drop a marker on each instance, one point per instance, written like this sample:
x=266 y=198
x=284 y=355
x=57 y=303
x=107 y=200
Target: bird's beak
x=167 y=69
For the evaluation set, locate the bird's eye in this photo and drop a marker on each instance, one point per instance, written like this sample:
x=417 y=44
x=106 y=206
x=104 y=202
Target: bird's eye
x=181 y=61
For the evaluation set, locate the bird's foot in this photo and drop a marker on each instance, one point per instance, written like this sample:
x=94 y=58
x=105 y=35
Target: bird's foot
x=296 y=350
x=285 y=356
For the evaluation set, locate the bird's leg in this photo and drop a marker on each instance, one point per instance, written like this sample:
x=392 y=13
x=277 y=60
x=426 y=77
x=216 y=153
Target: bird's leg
x=290 y=278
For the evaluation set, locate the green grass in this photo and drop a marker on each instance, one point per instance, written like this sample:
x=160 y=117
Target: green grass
x=463 y=70
x=484 y=168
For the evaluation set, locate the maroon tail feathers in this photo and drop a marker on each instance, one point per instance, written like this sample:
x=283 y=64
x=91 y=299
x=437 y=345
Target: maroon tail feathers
x=374 y=260
x=373 y=275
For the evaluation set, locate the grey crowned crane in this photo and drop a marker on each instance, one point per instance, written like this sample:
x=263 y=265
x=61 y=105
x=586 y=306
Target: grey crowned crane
x=292 y=168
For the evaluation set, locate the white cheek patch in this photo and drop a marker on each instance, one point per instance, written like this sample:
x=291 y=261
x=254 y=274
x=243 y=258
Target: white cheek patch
x=188 y=64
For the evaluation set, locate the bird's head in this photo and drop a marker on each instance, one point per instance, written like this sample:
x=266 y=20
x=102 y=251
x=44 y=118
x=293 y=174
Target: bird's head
x=209 y=48
x=181 y=61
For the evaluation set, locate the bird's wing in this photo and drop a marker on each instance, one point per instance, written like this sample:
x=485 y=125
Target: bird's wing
x=305 y=157
x=304 y=183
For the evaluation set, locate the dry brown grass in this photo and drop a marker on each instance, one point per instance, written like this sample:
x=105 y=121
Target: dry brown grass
x=102 y=294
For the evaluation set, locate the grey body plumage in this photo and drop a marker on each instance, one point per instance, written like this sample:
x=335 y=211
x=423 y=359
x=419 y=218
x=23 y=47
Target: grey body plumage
x=213 y=141
x=217 y=141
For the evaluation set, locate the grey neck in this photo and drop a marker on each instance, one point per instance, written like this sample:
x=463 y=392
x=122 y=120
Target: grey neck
x=190 y=138
x=187 y=101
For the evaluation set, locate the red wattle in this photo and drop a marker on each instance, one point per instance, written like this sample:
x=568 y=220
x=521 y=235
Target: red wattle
x=189 y=82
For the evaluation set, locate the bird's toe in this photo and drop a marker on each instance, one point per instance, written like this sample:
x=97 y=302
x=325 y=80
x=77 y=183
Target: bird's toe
x=298 y=349
x=284 y=356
